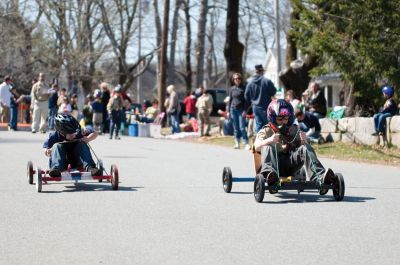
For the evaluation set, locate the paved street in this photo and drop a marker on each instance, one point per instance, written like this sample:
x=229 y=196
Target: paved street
x=171 y=209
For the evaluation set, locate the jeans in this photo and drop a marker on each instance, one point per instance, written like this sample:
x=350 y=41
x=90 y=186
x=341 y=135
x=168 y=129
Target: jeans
x=13 y=118
x=239 y=125
x=52 y=115
x=380 y=121
x=76 y=153
x=175 y=123
x=314 y=136
x=115 y=121
x=288 y=164
x=260 y=117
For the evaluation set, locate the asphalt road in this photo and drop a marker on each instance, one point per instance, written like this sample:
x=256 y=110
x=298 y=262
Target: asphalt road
x=171 y=209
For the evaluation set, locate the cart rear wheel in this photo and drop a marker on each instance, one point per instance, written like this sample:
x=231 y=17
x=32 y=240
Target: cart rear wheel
x=39 y=180
x=114 y=177
x=29 y=172
x=227 y=179
x=259 y=188
x=339 y=187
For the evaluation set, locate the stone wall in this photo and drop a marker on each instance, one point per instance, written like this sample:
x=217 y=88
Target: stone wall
x=359 y=130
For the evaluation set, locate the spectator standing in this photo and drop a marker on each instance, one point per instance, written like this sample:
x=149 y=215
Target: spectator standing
x=114 y=108
x=204 y=106
x=5 y=96
x=316 y=102
x=237 y=111
x=15 y=99
x=105 y=98
x=173 y=109
x=40 y=96
x=190 y=105
x=97 y=108
x=259 y=92
x=388 y=110
x=53 y=107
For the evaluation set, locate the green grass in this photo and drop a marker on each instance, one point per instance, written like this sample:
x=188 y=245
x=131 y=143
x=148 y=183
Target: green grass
x=337 y=150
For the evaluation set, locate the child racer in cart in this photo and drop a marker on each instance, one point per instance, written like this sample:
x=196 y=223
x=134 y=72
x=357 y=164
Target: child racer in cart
x=284 y=149
x=68 y=145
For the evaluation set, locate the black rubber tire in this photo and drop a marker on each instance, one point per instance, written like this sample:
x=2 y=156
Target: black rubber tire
x=29 y=172
x=339 y=187
x=259 y=188
x=115 y=177
x=101 y=167
x=39 y=180
x=227 y=179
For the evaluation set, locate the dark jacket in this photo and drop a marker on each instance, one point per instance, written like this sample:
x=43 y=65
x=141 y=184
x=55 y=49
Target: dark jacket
x=389 y=107
x=318 y=103
x=236 y=98
x=311 y=121
x=259 y=91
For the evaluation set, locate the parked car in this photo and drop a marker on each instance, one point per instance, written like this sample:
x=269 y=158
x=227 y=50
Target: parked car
x=218 y=94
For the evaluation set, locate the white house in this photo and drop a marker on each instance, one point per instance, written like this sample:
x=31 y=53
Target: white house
x=271 y=68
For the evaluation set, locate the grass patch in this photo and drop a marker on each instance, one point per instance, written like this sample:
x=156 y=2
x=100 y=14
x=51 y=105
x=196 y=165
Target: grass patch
x=337 y=150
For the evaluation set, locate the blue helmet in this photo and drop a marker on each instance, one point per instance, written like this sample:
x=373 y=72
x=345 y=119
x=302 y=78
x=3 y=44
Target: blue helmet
x=388 y=90
x=280 y=107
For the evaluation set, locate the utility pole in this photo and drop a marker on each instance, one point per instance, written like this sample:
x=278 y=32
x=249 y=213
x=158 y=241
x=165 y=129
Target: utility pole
x=163 y=57
x=278 y=44
x=138 y=85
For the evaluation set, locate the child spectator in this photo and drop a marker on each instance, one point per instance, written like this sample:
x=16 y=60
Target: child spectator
x=97 y=108
x=87 y=113
x=65 y=107
x=68 y=145
x=114 y=108
x=151 y=112
x=204 y=105
x=309 y=124
x=388 y=110
x=190 y=105
x=15 y=99
x=74 y=106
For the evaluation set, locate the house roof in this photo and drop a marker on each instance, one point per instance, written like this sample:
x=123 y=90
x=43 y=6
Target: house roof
x=272 y=53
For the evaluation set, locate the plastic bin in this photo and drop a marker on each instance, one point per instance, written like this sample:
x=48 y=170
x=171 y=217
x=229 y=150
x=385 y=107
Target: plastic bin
x=133 y=130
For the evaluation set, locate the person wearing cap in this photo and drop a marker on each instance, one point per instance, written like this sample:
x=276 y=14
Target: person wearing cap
x=5 y=96
x=259 y=91
x=40 y=96
x=114 y=108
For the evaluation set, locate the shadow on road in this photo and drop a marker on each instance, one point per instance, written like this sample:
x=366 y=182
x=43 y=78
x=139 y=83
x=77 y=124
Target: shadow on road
x=80 y=186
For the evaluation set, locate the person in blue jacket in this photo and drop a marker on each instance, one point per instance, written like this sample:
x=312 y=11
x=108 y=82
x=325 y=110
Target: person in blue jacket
x=388 y=110
x=68 y=144
x=259 y=92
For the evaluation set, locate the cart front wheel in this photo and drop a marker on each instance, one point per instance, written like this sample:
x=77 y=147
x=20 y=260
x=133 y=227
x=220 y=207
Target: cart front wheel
x=227 y=179
x=259 y=188
x=339 y=187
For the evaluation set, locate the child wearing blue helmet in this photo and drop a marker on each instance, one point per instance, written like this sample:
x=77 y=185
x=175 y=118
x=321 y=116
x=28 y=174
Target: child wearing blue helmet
x=284 y=149
x=388 y=110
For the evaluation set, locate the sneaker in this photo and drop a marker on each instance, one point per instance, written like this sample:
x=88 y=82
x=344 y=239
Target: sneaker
x=54 y=172
x=33 y=131
x=117 y=138
x=247 y=147
x=272 y=178
x=94 y=171
x=328 y=177
x=375 y=134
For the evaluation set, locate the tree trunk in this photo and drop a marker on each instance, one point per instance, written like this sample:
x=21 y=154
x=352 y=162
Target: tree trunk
x=200 y=45
x=163 y=57
x=174 y=32
x=188 y=46
x=233 y=49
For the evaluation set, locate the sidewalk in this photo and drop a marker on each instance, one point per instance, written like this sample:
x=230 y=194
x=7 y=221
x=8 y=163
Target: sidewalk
x=20 y=126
